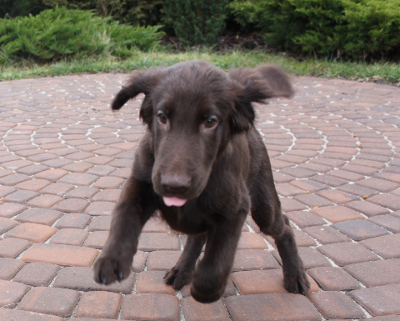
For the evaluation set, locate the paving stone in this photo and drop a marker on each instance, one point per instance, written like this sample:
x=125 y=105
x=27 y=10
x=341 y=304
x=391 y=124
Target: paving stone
x=33 y=185
x=45 y=201
x=82 y=192
x=271 y=306
x=376 y=273
x=37 y=274
x=79 y=179
x=73 y=220
x=31 y=232
x=347 y=253
x=155 y=224
x=39 y=216
x=99 y=304
x=195 y=311
x=386 y=246
x=20 y=196
x=71 y=205
x=379 y=301
x=252 y=259
x=386 y=200
x=19 y=315
x=335 y=305
x=11 y=247
x=60 y=254
x=99 y=223
x=336 y=214
x=367 y=208
x=162 y=260
x=9 y=267
x=263 y=281
x=158 y=241
x=59 y=189
x=9 y=210
x=153 y=282
x=100 y=208
x=6 y=224
x=11 y=293
x=333 y=279
x=82 y=279
x=146 y=306
x=51 y=174
x=96 y=239
x=304 y=219
x=389 y=222
x=360 y=229
x=71 y=236
x=326 y=234
x=108 y=195
x=60 y=302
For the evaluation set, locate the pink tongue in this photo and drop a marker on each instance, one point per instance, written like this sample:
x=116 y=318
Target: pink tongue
x=174 y=201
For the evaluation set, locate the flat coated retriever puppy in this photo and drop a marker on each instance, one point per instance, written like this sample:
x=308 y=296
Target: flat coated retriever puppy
x=204 y=166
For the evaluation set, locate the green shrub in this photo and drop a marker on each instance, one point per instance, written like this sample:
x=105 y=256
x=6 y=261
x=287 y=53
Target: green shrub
x=351 y=29
x=197 y=22
x=62 y=33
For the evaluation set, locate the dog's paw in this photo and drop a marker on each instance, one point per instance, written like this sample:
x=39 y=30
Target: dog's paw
x=297 y=283
x=177 y=278
x=108 y=270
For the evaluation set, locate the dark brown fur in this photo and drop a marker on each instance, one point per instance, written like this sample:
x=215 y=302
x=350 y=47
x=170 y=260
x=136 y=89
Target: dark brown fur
x=201 y=146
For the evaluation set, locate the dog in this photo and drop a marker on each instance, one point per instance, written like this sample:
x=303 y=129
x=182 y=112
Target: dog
x=202 y=164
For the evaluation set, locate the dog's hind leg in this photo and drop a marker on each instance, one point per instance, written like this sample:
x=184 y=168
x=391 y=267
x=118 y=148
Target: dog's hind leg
x=266 y=212
x=181 y=273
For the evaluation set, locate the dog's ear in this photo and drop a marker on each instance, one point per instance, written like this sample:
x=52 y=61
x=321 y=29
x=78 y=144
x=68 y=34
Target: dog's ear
x=256 y=85
x=141 y=81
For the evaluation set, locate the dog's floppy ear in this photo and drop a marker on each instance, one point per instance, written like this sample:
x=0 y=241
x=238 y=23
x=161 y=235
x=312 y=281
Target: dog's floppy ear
x=256 y=85
x=141 y=81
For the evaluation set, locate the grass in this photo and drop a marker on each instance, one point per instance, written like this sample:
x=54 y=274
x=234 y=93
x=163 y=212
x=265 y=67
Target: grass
x=378 y=71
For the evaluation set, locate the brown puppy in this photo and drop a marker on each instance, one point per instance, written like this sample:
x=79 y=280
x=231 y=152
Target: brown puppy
x=203 y=164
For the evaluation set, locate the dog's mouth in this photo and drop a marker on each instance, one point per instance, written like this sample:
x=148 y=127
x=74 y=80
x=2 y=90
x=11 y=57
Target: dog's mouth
x=174 y=201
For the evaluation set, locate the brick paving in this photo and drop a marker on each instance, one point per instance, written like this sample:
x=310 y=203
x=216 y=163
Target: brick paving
x=64 y=157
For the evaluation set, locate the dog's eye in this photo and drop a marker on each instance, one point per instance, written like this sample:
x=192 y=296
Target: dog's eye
x=211 y=122
x=162 y=118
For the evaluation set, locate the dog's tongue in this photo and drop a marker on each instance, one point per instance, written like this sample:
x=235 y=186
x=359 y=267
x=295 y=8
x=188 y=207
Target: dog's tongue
x=174 y=201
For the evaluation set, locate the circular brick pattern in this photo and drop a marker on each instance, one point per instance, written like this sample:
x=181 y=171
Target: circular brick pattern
x=64 y=156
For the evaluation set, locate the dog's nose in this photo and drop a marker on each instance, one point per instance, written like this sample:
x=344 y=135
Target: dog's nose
x=176 y=184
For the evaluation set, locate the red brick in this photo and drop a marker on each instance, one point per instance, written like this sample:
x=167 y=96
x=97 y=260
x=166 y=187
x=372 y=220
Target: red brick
x=71 y=236
x=14 y=179
x=79 y=179
x=82 y=192
x=45 y=201
x=162 y=260
x=9 y=267
x=33 y=185
x=11 y=247
x=333 y=279
x=335 y=305
x=311 y=257
x=139 y=261
x=153 y=282
x=52 y=174
x=155 y=224
x=379 y=301
x=71 y=205
x=108 y=195
x=290 y=205
x=271 y=306
x=158 y=241
x=6 y=224
x=19 y=315
x=389 y=222
x=60 y=302
x=32 y=232
x=379 y=184
x=195 y=311
x=11 y=209
x=100 y=223
x=253 y=259
x=39 y=216
x=37 y=274
x=100 y=208
x=336 y=214
x=60 y=254
x=263 y=281
x=250 y=240
x=326 y=234
x=108 y=182
x=59 y=189
x=313 y=200
x=101 y=170
x=347 y=253
x=386 y=200
x=97 y=239
x=74 y=220
x=99 y=304
x=20 y=196
x=360 y=229
x=11 y=293
x=337 y=196
x=146 y=306
x=367 y=208
x=82 y=279
x=387 y=246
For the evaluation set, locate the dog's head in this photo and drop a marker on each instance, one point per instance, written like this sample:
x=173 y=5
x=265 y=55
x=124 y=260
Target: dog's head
x=192 y=110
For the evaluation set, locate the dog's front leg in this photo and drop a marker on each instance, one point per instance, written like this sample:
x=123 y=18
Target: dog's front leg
x=134 y=208
x=211 y=275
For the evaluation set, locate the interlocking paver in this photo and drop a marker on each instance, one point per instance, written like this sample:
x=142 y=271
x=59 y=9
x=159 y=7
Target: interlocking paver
x=64 y=156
